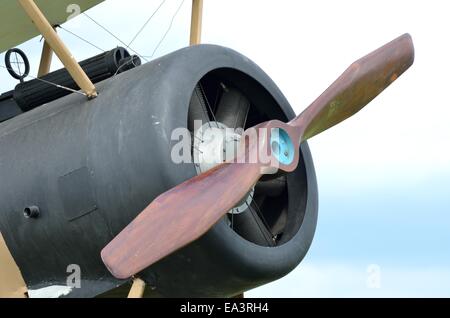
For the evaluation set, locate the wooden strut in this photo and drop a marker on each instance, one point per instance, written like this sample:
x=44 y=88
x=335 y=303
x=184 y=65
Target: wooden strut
x=196 y=22
x=137 y=289
x=58 y=46
x=46 y=59
x=12 y=284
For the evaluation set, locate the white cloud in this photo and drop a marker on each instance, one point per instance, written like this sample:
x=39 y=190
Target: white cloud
x=349 y=280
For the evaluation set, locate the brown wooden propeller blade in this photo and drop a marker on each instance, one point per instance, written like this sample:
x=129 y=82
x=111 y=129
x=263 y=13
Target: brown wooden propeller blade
x=364 y=80
x=184 y=213
x=178 y=217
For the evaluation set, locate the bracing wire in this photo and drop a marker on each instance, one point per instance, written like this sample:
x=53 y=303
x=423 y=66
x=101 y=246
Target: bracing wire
x=146 y=23
x=50 y=83
x=128 y=46
x=114 y=36
x=168 y=30
x=124 y=65
x=118 y=39
x=81 y=38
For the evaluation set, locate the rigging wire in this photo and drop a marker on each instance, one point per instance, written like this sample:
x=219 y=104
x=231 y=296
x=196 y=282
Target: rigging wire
x=50 y=83
x=118 y=39
x=124 y=65
x=128 y=46
x=81 y=38
x=17 y=61
x=167 y=31
x=146 y=23
x=113 y=35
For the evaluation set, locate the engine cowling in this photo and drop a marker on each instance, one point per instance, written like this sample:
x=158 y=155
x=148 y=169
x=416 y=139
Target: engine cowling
x=92 y=166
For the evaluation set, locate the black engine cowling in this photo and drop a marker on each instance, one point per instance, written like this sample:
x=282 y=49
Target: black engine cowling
x=92 y=166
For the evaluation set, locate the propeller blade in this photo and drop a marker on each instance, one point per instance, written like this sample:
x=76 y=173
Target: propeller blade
x=178 y=217
x=357 y=86
x=184 y=213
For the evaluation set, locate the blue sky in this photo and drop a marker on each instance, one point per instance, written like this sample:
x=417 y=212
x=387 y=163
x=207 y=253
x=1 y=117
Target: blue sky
x=384 y=175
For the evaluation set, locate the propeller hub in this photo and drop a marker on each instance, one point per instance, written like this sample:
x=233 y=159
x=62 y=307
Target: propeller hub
x=282 y=146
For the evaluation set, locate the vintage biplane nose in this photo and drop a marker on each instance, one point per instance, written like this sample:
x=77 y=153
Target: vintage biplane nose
x=190 y=173
x=103 y=175
x=91 y=166
x=186 y=212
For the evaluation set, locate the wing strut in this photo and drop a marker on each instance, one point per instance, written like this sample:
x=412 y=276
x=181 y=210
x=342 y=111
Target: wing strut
x=58 y=46
x=46 y=59
x=196 y=22
x=137 y=289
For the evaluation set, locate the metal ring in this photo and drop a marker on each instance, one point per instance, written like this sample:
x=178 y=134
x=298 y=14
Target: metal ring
x=9 y=67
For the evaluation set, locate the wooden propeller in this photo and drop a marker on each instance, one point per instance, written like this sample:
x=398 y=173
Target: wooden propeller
x=184 y=213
